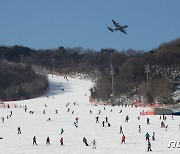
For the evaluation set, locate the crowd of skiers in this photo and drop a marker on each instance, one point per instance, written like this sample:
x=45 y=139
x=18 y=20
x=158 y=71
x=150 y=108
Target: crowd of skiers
x=105 y=123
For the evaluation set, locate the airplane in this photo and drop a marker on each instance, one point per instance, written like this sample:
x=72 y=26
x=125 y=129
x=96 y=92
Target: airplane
x=118 y=27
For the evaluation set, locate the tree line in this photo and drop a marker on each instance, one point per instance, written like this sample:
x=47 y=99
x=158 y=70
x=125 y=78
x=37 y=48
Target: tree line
x=130 y=76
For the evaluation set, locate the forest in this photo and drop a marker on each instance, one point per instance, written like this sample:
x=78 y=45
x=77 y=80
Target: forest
x=148 y=74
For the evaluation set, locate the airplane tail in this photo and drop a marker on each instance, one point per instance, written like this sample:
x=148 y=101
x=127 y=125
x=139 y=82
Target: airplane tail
x=110 y=29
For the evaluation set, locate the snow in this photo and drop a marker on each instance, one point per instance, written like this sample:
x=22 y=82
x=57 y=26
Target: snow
x=108 y=138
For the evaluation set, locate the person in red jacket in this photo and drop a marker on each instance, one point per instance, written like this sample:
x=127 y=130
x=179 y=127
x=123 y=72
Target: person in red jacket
x=61 y=140
x=123 y=139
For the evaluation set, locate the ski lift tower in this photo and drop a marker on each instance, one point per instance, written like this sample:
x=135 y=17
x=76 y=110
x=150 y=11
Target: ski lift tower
x=113 y=91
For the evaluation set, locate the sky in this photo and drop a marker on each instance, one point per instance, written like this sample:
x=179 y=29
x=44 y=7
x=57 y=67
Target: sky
x=108 y=139
x=46 y=24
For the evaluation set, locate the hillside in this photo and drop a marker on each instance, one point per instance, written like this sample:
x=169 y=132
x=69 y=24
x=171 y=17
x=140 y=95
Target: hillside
x=162 y=66
x=19 y=81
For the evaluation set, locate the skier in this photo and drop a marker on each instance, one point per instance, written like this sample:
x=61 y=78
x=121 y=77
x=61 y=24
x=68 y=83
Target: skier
x=149 y=146
x=68 y=109
x=19 y=130
x=62 y=131
x=75 y=124
x=56 y=111
x=77 y=119
x=162 y=124
x=62 y=141
x=139 y=128
x=153 y=136
x=2 y=119
x=166 y=127
x=106 y=119
x=148 y=121
x=123 y=139
x=127 y=118
x=25 y=109
x=94 y=144
x=97 y=119
x=44 y=112
x=147 y=136
x=99 y=112
x=103 y=123
x=120 y=130
x=48 y=140
x=90 y=111
x=34 y=140
x=85 y=141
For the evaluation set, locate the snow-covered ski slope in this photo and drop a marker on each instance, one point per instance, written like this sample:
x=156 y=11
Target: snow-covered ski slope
x=108 y=138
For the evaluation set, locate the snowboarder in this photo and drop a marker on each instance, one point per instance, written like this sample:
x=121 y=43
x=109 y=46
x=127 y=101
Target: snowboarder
x=120 y=130
x=34 y=140
x=153 y=136
x=149 y=146
x=62 y=141
x=62 y=131
x=123 y=139
x=48 y=140
x=49 y=119
x=109 y=125
x=19 y=130
x=85 y=141
x=94 y=144
x=147 y=136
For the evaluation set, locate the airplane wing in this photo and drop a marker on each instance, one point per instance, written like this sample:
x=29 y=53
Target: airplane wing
x=110 y=29
x=116 y=24
x=123 y=31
